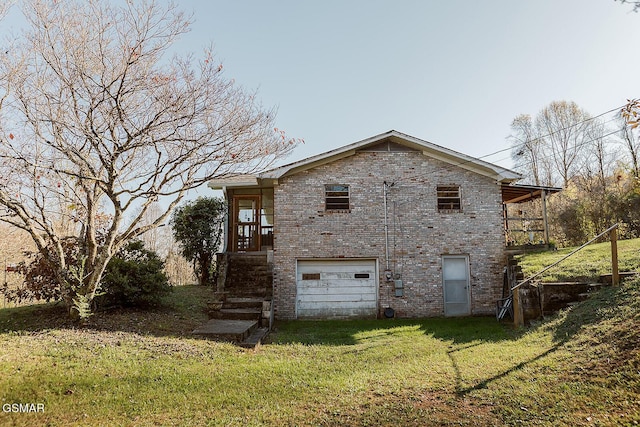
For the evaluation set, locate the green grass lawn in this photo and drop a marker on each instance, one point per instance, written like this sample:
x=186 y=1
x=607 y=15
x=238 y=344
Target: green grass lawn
x=143 y=369
x=587 y=265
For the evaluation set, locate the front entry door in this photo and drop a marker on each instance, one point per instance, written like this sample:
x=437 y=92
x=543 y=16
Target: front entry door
x=246 y=223
x=455 y=283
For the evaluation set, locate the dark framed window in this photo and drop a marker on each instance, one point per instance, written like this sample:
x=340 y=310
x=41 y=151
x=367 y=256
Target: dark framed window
x=336 y=197
x=449 y=199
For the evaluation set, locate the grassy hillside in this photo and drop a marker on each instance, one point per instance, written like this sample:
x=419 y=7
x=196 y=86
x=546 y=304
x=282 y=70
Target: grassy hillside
x=588 y=264
x=143 y=369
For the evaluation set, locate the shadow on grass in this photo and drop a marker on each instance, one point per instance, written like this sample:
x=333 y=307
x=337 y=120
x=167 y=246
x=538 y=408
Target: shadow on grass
x=604 y=306
x=350 y=332
x=180 y=313
x=461 y=391
x=610 y=316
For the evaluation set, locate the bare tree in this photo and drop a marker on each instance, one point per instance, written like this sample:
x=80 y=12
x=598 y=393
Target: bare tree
x=630 y=138
x=157 y=239
x=635 y=4
x=599 y=160
x=566 y=130
x=630 y=134
x=96 y=123
x=528 y=149
x=4 y=7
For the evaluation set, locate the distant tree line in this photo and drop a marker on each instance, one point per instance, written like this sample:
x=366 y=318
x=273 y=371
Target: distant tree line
x=595 y=160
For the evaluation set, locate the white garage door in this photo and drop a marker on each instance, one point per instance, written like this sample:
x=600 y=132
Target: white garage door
x=337 y=289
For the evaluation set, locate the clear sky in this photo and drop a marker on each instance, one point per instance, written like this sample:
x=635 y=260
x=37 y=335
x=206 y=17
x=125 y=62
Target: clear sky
x=454 y=73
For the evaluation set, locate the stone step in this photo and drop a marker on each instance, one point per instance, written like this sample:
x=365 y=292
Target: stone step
x=258 y=283
x=250 y=292
x=584 y=296
x=253 y=267
x=597 y=286
x=237 y=313
x=255 y=261
x=255 y=339
x=232 y=286
x=227 y=330
x=252 y=281
x=607 y=279
x=243 y=302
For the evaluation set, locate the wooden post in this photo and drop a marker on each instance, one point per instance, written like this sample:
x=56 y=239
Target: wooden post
x=518 y=318
x=615 y=276
x=545 y=221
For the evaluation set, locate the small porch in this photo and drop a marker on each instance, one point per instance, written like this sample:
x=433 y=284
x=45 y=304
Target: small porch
x=526 y=225
x=250 y=220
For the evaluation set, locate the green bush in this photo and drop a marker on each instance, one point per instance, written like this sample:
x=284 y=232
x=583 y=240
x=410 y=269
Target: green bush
x=134 y=277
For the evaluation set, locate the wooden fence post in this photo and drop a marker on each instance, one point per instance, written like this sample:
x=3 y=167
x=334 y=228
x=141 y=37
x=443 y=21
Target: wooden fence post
x=615 y=276
x=518 y=318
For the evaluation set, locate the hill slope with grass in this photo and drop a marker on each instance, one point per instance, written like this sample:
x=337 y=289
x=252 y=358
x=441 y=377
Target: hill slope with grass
x=586 y=265
x=592 y=372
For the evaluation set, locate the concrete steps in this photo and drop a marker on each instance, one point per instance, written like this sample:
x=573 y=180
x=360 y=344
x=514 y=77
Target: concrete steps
x=244 y=333
x=559 y=295
x=237 y=313
x=235 y=331
x=241 y=312
x=243 y=302
x=256 y=338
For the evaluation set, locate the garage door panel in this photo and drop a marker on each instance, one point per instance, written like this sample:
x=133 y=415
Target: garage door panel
x=327 y=297
x=337 y=288
x=347 y=289
x=338 y=304
x=341 y=313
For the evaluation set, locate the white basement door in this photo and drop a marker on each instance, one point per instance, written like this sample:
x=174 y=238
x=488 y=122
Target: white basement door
x=343 y=288
x=455 y=280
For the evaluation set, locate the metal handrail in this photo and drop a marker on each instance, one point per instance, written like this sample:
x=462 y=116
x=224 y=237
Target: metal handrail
x=525 y=281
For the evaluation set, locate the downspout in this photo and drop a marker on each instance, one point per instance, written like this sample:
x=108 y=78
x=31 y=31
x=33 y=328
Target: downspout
x=388 y=312
x=386 y=228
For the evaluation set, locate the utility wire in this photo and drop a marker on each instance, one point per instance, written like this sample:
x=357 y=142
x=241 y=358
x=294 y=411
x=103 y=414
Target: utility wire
x=556 y=131
x=418 y=176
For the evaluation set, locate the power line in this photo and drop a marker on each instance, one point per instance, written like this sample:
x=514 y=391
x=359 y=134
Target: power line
x=558 y=130
x=418 y=176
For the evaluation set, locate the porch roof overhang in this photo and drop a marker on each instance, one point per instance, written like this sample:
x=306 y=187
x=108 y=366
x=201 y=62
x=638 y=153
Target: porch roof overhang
x=516 y=193
x=240 y=181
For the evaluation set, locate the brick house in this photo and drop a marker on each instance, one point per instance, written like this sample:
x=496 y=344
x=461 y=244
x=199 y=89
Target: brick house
x=388 y=226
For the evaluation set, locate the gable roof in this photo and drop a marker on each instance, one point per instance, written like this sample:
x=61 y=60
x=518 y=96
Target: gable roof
x=395 y=139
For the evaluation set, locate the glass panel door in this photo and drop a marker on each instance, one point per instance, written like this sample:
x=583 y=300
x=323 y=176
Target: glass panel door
x=246 y=228
x=455 y=281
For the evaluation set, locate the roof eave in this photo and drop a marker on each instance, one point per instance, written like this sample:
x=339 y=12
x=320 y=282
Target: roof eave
x=429 y=149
